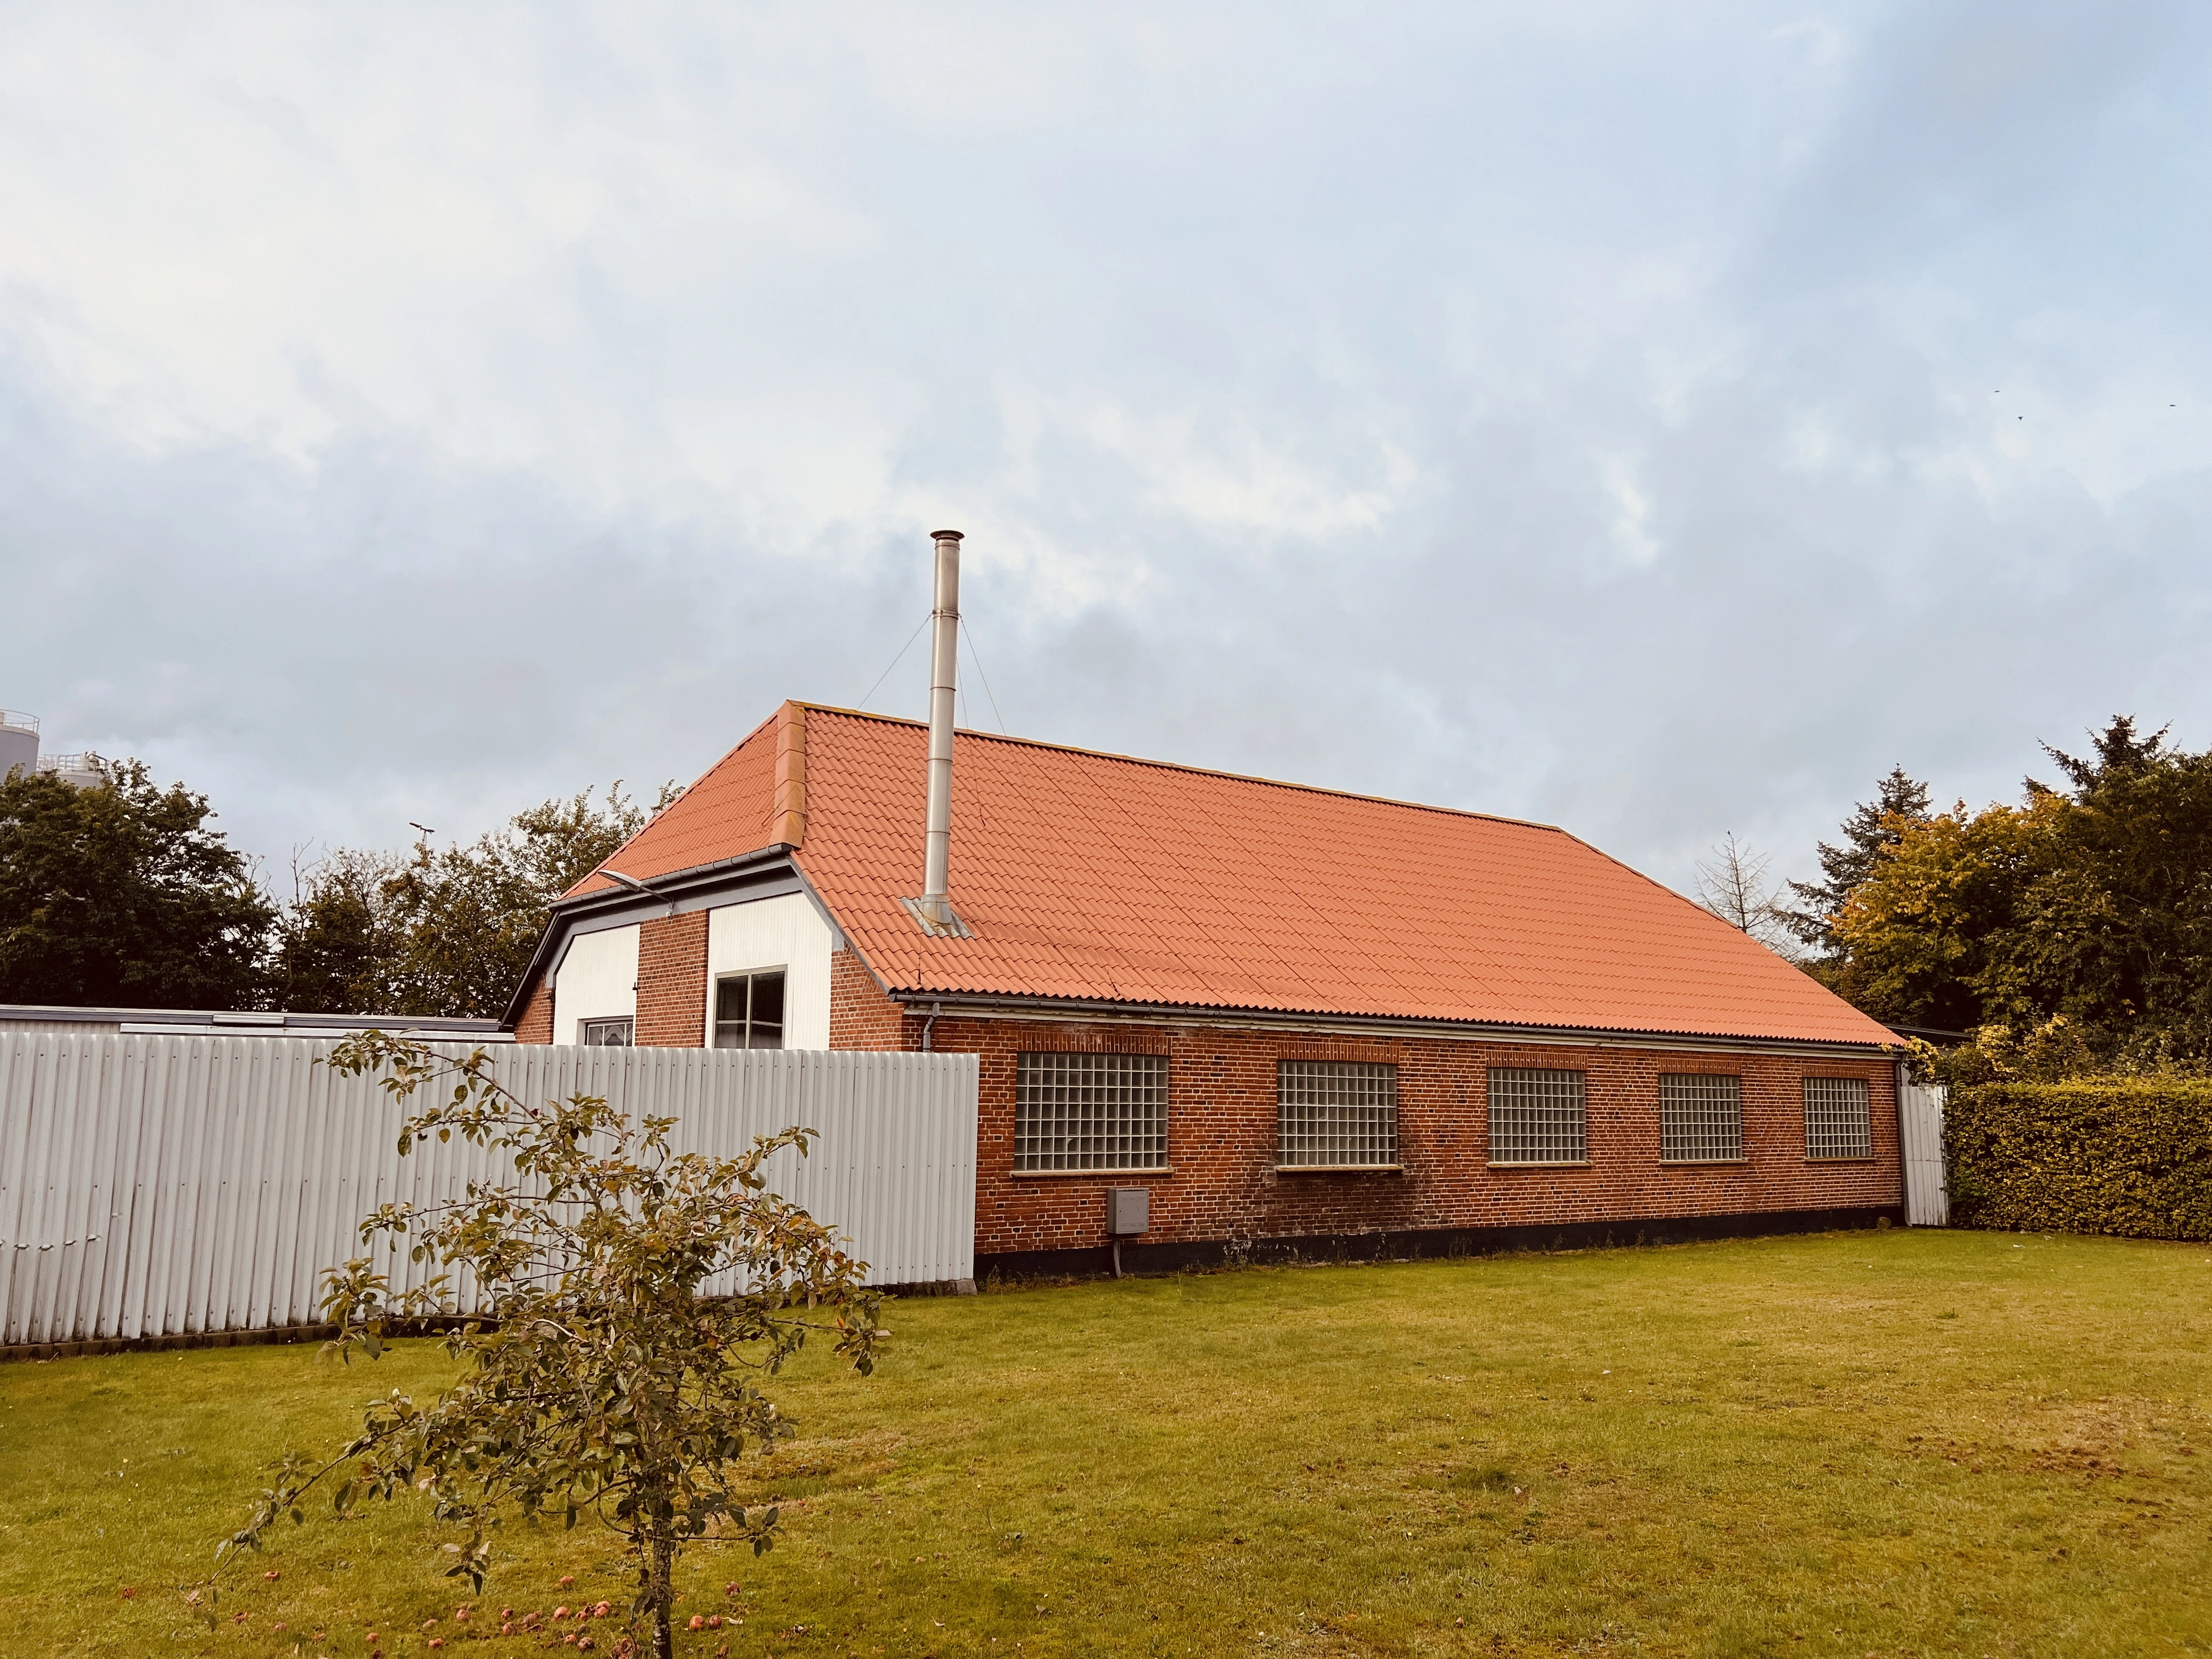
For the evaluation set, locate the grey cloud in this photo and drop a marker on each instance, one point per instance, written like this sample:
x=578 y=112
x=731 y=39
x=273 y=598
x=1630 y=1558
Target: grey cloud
x=1465 y=408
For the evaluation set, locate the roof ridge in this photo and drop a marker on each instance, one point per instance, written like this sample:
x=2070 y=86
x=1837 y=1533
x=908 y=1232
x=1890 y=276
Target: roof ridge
x=1182 y=766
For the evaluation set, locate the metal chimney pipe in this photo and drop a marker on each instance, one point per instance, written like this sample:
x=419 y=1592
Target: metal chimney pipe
x=944 y=664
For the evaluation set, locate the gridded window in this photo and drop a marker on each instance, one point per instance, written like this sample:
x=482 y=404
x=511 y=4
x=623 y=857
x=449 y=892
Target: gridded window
x=1700 y=1119
x=607 y=1033
x=1091 y=1112
x=1837 y=1122
x=1336 y=1115
x=748 y=1010
x=1538 y=1117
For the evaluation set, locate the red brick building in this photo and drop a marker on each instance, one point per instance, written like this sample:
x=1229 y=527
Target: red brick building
x=1296 y=1018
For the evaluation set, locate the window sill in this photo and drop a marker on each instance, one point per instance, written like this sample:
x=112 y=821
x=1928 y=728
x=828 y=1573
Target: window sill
x=1340 y=1169
x=1088 y=1174
x=1555 y=1163
x=1703 y=1162
x=1845 y=1158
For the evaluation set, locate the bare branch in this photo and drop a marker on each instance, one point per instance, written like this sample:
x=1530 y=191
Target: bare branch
x=1732 y=883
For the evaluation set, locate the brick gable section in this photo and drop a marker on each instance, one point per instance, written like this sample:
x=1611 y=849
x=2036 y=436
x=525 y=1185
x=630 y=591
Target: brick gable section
x=672 y=982
x=536 y=1024
x=860 y=1015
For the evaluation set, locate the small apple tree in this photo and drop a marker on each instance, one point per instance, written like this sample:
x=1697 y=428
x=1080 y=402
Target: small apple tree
x=597 y=1379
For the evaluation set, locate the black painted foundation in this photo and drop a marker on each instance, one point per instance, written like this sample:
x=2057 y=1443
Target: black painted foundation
x=1096 y=1262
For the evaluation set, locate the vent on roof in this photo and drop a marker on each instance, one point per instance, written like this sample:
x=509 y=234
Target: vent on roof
x=934 y=909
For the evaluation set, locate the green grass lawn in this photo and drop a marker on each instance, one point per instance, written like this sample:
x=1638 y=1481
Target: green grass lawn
x=1869 y=1443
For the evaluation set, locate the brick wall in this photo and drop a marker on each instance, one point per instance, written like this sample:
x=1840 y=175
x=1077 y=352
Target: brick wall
x=860 y=1015
x=672 y=982
x=536 y=1023
x=1222 y=1129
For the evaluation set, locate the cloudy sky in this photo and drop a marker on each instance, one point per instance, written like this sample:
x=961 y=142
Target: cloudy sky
x=1656 y=420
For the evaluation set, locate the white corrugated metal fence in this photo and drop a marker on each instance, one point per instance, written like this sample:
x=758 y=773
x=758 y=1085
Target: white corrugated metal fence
x=157 y=1186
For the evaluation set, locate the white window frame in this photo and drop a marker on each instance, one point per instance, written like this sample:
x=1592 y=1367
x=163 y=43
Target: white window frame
x=585 y=1028
x=1084 y=1111
x=1838 y=1120
x=1700 y=1117
x=1336 y=1115
x=715 y=1006
x=1530 y=1092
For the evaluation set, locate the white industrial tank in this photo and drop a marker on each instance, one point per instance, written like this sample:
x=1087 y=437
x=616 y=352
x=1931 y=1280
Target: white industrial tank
x=19 y=741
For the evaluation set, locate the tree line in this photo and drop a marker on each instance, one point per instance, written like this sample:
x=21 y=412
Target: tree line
x=126 y=894
x=2064 y=934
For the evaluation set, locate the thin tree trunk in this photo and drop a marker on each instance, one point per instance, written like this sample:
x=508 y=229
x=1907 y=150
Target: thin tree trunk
x=662 y=1568
x=656 y=1582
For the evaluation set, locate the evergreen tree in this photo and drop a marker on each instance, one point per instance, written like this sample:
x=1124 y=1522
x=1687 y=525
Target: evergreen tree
x=1872 y=828
x=2120 y=753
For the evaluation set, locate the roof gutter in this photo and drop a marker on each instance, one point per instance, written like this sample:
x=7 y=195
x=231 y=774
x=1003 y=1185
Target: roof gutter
x=1049 y=1009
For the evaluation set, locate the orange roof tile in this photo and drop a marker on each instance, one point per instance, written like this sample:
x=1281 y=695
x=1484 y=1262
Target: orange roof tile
x=1093 y=876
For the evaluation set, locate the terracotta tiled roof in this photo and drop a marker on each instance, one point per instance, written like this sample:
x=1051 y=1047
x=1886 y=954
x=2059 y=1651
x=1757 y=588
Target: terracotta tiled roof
x=1091 y=876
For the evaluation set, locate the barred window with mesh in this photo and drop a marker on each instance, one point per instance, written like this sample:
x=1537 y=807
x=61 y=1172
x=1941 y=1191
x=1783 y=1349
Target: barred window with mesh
x=1091 y=1112
x=1700 y=1119
x=1336 y=1115
x=1537 y=1117
x=1837 y=1122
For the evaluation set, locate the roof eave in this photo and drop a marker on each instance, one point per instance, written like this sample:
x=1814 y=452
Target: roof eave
x=1018 y=1006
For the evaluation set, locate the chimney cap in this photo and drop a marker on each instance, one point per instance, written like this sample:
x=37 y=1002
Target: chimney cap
x=945 y=536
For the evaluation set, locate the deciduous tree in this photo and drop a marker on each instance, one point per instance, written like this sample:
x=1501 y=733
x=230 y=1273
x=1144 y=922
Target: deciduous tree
x=443 y=931
x=633 y=1301
x=123 y=894
x=1732 y=883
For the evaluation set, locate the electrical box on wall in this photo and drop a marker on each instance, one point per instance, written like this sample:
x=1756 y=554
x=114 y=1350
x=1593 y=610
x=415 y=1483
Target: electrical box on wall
x=1128 y=1209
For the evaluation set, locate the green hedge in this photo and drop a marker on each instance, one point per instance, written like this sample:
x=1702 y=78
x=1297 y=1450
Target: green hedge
x=2131 y=1158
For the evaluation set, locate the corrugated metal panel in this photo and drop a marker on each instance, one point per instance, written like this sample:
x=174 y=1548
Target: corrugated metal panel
x=155 y=1185
x=1920 y=1126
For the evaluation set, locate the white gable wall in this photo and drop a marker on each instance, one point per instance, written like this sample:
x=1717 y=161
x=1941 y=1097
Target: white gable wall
x=790 y=933
x=596 y=980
